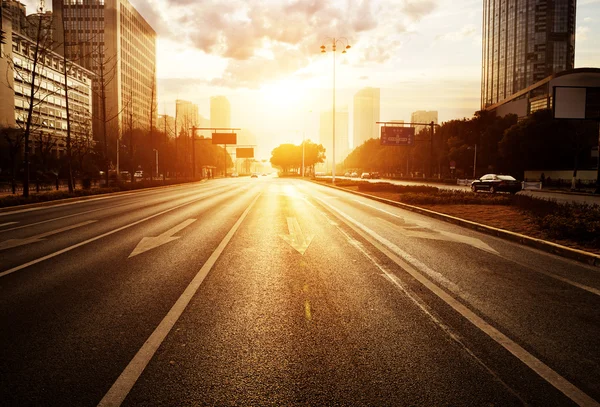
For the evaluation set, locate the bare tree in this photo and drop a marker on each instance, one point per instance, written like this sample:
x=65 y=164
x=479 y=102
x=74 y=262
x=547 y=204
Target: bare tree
x=14 y=138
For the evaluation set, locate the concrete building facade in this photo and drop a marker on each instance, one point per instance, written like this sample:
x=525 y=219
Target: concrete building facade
x=220 y=112
x=423 y=116
x=186 y=115
x=113 y=40
x=342 y=147
x=366 y=114
x=524 y=41
x=49 y=115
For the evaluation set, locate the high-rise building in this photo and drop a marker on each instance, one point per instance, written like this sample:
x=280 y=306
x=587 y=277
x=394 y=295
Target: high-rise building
x=423 y=116
x=366 y=114
x=342 y=147
x=48 y=119
x=186 y=114
x=524 y=42
x=166 y=124
x=113 y=40
x=220 y=112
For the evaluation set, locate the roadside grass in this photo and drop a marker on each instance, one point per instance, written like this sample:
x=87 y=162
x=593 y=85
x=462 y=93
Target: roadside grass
x=575 y=222
x=16 y=200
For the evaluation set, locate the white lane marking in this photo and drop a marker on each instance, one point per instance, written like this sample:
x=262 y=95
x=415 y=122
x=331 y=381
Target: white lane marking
x=7 y=224
x=12 y=243
x=127 y=379
x=63 y=217
x=149 y=243
x=434 y=233
x=49 y=256
x=138 y=192
x=457 y=237
x=296 y=238
x=419 y=303
x=543 y=370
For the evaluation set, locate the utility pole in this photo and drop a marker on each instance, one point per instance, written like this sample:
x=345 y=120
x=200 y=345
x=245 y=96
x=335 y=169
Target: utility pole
x=194 y=152
x=432 y=124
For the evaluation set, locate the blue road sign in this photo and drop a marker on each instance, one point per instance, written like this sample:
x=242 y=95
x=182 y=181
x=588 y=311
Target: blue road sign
x=397 y=136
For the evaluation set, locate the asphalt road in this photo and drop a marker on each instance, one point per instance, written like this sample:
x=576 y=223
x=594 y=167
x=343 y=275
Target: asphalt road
x=272 y=291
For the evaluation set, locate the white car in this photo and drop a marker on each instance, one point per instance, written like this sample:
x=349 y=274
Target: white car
x=139 y=174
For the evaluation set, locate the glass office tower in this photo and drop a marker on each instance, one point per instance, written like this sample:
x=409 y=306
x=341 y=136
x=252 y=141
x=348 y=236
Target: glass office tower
x=524 y=41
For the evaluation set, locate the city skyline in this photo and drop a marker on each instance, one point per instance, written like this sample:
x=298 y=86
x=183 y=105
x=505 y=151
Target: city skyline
x=429 y=58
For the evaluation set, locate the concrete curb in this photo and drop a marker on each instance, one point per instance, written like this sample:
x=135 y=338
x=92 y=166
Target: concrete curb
x=554 y=248
x=89 y=197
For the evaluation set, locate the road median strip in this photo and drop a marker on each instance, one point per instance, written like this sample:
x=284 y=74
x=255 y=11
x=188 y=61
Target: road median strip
x=550 y=247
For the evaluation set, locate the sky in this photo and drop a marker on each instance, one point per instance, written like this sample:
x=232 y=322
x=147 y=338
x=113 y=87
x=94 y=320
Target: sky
x=264 y=55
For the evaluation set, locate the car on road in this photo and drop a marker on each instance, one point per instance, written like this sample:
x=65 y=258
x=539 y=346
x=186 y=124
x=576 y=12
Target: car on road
x=138 y=174
x=354 y=175
x=496 y=183
x=365 y=175
x=234 y=175
x=375 y=175
x=254 y=175
x=347 y=174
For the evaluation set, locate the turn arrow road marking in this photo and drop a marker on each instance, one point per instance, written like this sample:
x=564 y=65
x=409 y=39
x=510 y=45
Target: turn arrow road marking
x=9 y=244
x=149 y=243
x=296 y=238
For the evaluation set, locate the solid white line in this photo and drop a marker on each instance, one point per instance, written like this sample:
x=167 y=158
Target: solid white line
x=12 y=243
x=7 y=224
x=543 y=370
x=546 y=273
x=49 y=256
x=125 y=382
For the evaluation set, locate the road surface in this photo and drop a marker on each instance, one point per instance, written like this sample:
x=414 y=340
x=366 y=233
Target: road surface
x=283 y=292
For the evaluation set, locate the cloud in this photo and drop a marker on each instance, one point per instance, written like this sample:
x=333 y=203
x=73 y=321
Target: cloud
x=468 y=31
x=252 y=34
x=417 y=9
x=582 y=33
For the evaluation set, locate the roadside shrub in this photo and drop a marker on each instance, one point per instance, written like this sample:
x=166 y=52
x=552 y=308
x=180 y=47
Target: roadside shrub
x=453 y=197
x=400 y=189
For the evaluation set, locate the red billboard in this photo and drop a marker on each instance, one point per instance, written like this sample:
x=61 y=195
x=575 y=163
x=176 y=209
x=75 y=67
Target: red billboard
x=244 y=152
x=224 y=138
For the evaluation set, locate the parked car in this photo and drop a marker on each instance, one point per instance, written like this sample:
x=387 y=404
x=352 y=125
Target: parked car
x=496 y=183
x=374 y=175
x=234 y=175
x=138 y=174
x=365 y=175
x=354 y=175
x=347 y=174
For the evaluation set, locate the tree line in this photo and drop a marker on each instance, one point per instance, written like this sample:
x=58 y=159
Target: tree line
x=288 y=157
x=504 y=145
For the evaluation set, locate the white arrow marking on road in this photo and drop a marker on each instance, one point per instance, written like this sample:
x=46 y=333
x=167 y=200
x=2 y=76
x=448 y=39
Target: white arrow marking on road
x=149 y=243
x=447 y=236
x=7 y=224
x=296 y=238
x=9 y=244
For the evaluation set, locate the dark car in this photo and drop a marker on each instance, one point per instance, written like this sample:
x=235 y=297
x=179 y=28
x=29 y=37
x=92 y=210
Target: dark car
x=254 y=175
x=496 y=183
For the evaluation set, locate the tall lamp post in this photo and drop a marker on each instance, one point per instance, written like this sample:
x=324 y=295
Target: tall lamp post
x=334 y=43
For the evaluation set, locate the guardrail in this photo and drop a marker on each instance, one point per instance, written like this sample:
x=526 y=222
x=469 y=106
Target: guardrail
x=464 y=182
x=531 y=185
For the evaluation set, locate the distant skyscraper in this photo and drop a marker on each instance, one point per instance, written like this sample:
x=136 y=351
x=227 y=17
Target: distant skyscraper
x=113 y=35
x=366 y=114
x=423 y=116
x=220 y=112
x=524 y=42
x=342 y=147
x=187 y=116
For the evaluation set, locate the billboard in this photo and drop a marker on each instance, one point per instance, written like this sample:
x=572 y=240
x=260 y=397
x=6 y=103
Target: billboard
x=224 y=138
x=397 y=136
x=244 y=152
x=572 y=102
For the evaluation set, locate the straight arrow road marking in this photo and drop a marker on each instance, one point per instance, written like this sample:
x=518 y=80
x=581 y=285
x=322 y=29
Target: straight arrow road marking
x=12 y=243
x=149 y=243
x=296 y=238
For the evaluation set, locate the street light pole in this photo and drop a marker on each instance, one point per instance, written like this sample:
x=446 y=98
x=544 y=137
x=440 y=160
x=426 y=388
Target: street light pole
x=474 y=161
x=334 y=42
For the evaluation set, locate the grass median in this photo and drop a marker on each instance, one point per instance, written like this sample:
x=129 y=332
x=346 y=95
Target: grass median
x=575 y=225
